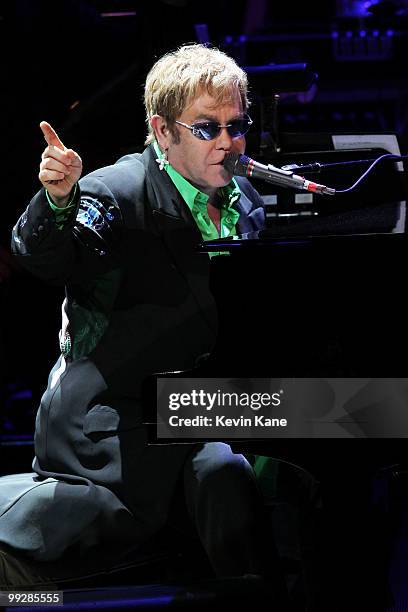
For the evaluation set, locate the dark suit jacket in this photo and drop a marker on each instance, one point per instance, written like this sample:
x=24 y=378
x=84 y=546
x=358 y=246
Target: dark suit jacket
x=137 y=302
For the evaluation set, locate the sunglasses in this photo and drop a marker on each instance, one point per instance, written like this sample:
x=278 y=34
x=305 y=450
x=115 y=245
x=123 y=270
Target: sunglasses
x=208 y=130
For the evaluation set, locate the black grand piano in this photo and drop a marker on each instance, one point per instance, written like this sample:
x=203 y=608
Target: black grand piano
x=321 y=293
x=322 y=287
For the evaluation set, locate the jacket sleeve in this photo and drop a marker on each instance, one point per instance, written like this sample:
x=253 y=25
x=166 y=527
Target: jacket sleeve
x=85 y=245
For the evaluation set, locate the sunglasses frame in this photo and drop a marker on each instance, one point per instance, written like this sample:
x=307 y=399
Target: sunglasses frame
x=195 y=127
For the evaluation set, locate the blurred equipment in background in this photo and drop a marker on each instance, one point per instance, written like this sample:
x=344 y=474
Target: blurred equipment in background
x=357 y=49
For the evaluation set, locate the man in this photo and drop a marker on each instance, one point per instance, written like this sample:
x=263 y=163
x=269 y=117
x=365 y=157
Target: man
x=122 y=240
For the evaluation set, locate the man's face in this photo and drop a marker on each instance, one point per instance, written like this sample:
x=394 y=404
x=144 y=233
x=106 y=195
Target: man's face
x=200 y=161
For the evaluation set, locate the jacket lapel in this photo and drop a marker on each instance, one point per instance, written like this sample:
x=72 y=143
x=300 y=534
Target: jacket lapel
x=179 y=233
x=252 y=217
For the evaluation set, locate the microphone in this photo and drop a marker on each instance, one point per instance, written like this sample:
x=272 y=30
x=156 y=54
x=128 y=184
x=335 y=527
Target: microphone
x=241 y=165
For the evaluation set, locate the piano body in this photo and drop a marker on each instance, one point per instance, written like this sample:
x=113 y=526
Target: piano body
x=320 y=292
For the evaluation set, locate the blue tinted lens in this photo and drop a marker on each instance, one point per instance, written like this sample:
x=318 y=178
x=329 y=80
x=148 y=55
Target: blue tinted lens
x=239 y=127
x=206 y=131
x=211 y=129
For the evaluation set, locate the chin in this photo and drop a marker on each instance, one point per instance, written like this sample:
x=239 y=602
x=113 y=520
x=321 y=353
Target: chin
x=219 y=184
x=214 y=181
x=224 y=178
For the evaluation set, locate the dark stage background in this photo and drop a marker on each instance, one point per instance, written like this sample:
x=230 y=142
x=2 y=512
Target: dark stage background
x=81 y=65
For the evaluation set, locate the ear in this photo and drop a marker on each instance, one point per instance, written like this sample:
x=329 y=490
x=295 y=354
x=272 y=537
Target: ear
x=161 y=131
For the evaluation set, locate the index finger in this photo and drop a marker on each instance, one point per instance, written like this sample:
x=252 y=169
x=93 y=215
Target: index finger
x=51 y=136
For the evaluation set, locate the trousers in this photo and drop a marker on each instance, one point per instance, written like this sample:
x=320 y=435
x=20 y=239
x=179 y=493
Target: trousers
x=209 y=493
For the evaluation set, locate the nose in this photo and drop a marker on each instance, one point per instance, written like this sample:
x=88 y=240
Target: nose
x=223 y=140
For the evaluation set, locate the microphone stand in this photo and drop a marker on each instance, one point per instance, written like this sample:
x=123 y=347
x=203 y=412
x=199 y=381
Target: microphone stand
x=317 y=167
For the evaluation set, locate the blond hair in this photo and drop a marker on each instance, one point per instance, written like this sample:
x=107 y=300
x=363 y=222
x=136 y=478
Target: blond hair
x=180 y=76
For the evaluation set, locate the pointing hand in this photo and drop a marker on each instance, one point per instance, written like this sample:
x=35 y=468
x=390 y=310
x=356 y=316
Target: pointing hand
x=60 y=167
